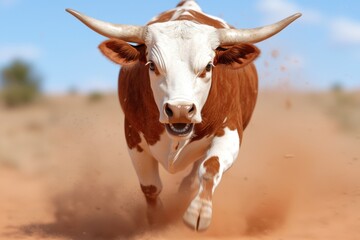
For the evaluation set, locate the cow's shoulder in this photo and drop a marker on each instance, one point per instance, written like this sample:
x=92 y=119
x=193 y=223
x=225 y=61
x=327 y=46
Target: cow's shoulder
x=231 y=101
x=137 y=102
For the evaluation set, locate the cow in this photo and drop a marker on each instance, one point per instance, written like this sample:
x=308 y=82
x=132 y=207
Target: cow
x=187 y=87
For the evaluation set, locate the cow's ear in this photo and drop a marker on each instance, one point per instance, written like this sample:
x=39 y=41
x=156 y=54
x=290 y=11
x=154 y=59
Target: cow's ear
x=121 y=52
x=236 y=56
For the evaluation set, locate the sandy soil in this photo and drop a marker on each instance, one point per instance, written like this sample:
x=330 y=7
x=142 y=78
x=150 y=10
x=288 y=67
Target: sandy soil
x=65 y=174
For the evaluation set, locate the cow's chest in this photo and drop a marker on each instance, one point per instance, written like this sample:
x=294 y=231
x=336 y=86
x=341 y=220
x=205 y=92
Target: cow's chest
x=175 y=156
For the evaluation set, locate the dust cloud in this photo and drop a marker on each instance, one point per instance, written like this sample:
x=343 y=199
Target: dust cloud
x=296 y=176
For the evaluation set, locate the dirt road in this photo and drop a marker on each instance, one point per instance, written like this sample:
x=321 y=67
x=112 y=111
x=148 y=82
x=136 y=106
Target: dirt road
x=65 y=174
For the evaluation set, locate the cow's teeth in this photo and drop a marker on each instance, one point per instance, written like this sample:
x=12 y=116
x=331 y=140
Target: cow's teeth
x=186 y=128
x=179 y=129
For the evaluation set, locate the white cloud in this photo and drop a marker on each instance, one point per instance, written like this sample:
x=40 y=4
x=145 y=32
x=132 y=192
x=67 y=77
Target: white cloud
x=275 y=10
x=342 y=30
x=276 y=7
x=11 y=52
x=7 y=3
x=345 y=31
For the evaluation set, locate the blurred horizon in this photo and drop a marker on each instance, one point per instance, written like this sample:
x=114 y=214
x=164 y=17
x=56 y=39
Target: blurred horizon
x=318 y=52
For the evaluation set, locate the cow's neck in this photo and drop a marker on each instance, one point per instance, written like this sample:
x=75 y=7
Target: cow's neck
x=176 y=146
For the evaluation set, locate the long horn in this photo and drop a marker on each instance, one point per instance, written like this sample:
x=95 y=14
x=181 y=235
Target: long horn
x=254 y=35
x=127 y=33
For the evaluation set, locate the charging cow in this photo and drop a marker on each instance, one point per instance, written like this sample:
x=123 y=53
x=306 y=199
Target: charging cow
x=188 y=87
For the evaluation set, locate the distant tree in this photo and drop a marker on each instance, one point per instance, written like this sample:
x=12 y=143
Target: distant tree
x=72 y=91
x=95 y=96
x=19 y=84
x=337 y=87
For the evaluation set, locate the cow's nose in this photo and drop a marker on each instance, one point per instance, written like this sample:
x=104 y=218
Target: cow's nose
x=181 y=113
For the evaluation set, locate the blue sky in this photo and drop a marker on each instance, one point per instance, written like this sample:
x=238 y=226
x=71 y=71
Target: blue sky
x=319 y=49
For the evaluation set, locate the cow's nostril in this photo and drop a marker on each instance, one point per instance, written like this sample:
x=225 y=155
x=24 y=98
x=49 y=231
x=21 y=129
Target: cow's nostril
x=192 y=109
x=168 y=111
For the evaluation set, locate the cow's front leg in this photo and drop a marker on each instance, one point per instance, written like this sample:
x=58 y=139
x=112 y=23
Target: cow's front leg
x=188 y=181
x=147 y=170
x=219 y=158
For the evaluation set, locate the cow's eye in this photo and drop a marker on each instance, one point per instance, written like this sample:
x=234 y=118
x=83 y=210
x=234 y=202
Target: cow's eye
x=209 y=67
x=152 y=66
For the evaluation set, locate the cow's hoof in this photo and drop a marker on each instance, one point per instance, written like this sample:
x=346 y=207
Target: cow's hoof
x=198 y=215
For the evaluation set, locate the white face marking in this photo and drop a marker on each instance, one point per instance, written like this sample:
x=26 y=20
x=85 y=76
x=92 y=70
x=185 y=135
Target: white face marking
x=181 y=50
x=191 y=5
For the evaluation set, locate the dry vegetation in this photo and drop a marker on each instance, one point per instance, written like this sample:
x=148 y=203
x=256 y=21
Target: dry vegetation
x=342 y=106
x=65 y=173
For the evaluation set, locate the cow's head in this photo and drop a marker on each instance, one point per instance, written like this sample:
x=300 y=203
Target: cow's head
x=180 y=56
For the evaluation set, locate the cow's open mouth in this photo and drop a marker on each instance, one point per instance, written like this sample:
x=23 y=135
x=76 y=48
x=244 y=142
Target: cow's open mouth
x=179 y=129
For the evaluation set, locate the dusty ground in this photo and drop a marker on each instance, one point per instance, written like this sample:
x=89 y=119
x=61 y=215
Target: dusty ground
x=65 y=174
